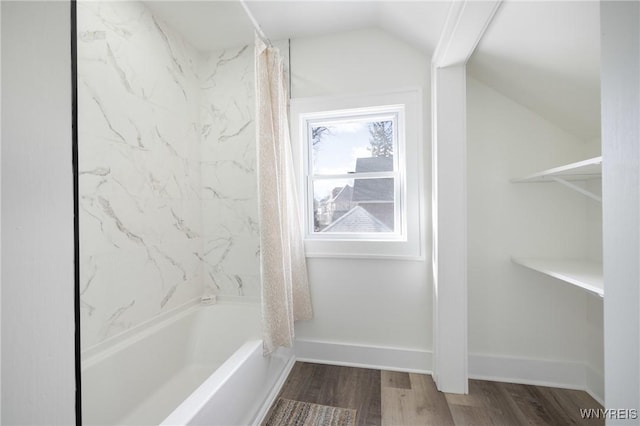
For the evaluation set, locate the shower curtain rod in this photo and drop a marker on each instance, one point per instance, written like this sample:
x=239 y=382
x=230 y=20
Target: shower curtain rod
x=255 y=24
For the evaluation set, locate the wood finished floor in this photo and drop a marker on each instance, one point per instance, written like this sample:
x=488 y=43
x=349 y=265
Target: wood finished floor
x=408 y=399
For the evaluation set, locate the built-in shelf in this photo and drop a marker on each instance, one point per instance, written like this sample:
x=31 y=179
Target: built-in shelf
x=582 y=273
x=567 y=174
x=582 y=170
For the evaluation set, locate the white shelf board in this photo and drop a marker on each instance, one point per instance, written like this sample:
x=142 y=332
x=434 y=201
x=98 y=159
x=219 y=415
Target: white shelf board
x=582 y=170
x=582 y=273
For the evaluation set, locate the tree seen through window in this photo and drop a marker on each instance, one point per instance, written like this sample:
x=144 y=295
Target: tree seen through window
x=353 y=166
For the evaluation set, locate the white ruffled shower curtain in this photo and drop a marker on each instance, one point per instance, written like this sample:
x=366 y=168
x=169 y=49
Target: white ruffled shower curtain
x=285 y=287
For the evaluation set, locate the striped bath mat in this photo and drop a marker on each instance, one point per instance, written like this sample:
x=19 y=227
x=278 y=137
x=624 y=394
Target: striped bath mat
x=296 y=413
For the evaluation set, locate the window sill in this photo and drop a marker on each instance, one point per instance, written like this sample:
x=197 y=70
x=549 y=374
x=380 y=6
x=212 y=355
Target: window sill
x=419 y=258
x=411 y=249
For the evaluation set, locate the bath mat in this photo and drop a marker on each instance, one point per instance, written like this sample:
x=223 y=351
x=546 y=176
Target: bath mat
x=296 y=413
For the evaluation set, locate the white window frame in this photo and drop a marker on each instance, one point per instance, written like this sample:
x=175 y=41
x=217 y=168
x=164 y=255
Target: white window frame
x=394 y=113
x=407 y=240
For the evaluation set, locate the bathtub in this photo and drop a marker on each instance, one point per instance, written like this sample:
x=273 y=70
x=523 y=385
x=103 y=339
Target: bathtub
x=202 y=365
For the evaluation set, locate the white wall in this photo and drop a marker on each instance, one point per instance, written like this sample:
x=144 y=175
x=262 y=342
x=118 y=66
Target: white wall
x=38 y=381
x=515 y=312
x=362 y=61
x=620 y=23
x=379 y=303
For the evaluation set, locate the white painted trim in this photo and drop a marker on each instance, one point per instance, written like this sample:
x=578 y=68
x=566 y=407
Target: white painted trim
x=412 y=245
x=271 y=398
x=449 y=222
x=365 y=356
x=339 y=255
x=595 y=384
x=620 y=99
x=559 y=374
x=466 y=23
x=551 y=373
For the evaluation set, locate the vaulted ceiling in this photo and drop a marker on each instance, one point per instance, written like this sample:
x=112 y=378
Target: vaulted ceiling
x=546 y=56
x=543 y=55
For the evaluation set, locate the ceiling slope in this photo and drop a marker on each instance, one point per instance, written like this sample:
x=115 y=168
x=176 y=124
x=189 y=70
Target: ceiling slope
x=213 y=25
x=546 y=56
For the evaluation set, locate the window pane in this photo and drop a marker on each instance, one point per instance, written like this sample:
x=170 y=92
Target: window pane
x=352 y=146
x=353 y=205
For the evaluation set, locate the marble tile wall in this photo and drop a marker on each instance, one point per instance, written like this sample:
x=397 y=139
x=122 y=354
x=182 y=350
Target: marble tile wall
x=167 y=170
x=231 y=235
x=139 y=168
x=228 y=168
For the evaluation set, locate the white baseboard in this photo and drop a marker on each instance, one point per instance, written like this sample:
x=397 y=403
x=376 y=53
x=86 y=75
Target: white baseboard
x=559 y=374
x=595 y=384
x=378 y=357
x=271 y=398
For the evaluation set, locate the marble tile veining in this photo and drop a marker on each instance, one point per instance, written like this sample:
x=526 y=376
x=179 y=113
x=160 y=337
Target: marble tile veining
x=140 y=215
x=228 y=154
x=167 y=160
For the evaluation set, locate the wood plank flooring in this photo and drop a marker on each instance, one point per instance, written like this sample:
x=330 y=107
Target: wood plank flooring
x=407 y=399
x=344 y=387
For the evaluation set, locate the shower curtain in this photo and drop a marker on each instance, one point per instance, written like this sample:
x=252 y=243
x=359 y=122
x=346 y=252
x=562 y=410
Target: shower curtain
x=285 y=287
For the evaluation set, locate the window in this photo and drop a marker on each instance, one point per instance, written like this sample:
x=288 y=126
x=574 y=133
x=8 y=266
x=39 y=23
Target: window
x=354 y=173
x=358 y=163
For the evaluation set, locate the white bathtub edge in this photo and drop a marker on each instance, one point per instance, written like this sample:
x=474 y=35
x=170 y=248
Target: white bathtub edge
x=103 y=349
x=201 y=396
x=271 y=398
